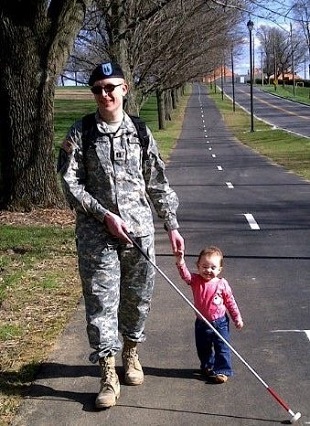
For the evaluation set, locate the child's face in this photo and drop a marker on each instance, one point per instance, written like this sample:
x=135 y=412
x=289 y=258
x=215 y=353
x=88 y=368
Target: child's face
x=209 y=266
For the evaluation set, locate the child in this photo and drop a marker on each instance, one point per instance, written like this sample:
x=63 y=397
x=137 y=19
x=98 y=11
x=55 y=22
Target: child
x=212 y=296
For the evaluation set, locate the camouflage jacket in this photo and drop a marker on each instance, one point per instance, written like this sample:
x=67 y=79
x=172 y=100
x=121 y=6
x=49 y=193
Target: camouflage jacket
x=113 y=175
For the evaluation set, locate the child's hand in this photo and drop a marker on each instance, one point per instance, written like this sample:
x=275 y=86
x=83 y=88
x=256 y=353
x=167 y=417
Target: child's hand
x=239 y=324
x=179 y=258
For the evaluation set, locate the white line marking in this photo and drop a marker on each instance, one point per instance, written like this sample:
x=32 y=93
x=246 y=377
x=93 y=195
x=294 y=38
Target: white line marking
x=219 y=168
x=230 y=185
x=213 y=155
x=307 y=332
x=252 y=222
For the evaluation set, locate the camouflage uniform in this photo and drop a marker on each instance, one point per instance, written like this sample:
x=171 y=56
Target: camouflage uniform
x=114 y=176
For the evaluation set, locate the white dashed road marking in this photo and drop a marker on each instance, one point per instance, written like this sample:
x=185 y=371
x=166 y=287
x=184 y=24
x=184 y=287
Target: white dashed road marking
x=307 y=332
x=252 y=222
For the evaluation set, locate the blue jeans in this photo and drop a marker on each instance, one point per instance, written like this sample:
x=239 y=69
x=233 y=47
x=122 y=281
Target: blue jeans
x=212 y=352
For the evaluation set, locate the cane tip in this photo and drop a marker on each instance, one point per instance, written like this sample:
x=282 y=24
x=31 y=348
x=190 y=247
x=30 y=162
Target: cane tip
x=295 y=418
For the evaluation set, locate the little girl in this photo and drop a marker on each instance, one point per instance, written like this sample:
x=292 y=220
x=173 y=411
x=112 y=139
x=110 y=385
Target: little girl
x=212 y=297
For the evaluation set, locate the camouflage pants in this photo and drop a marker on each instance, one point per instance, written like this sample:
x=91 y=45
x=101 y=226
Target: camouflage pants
x=117 y=285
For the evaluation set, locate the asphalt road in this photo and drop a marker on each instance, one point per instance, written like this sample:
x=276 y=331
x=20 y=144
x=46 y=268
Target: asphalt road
x=258 y=213
x=282 y=113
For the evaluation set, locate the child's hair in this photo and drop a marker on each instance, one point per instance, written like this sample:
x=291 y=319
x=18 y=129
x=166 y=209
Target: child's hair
x=209 y=251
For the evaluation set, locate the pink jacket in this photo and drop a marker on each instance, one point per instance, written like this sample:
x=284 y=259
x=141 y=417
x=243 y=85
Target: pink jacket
x=211 y=298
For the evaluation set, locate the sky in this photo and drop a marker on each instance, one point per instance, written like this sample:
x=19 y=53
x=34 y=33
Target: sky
x=277 y=10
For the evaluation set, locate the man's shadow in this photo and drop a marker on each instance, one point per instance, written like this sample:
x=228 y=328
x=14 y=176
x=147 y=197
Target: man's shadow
x=12 y=384
x=15 y=383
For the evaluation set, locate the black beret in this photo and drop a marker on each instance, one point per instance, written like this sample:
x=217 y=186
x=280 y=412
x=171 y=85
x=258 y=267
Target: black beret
x=105 y=70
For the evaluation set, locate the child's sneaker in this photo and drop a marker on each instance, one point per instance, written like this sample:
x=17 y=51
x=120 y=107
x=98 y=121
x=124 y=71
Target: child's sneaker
x=218 y=378
x=208 y=372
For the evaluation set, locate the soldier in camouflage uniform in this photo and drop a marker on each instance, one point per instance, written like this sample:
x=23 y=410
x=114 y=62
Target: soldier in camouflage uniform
x=110 y=185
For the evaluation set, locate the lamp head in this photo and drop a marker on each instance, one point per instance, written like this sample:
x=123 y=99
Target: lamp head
x=250 y=25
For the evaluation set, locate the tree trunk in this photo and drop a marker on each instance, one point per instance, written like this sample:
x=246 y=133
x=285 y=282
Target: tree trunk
x=36 y=37
x=132 y=104
x=120 y=52
x=174 y=98
x=160 y=109
x=26 y=129
x=168 y=104
x=28 y=158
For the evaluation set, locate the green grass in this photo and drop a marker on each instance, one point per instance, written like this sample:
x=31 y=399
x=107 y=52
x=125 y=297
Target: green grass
x=36 y=241
x=292 y=152
x=149 y=113
x=302 y=94
x=10 y=331
x=165 y=139
x=25 y=249
x=68 y=111
x=66 y=114
x=38 y=291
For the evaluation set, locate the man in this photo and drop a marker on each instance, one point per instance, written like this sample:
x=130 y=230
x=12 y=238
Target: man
x=109 y=182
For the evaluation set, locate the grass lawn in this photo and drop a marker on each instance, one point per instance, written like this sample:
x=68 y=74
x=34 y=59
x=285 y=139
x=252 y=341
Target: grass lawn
x=292 y=152
x=297 y=93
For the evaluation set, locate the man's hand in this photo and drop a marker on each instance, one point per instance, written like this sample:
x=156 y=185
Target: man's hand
x=117 y=227
x=179 y=259
x=68 y=146
x=177 y=242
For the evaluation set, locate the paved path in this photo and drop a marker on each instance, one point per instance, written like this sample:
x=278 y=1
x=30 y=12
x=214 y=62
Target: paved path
x=268 y=270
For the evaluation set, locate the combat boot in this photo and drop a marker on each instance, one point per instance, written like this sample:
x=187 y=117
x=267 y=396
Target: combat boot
x=133 y=370
x=110 y=386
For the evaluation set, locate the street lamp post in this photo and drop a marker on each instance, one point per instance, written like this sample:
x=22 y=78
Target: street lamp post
x=262 y=67
x=233 y=77
x=214 y=78
x=222 y=82
x=250 y=26
x=293 y=64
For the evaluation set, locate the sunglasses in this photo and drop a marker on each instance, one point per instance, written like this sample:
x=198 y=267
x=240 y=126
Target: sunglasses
x=97 y=90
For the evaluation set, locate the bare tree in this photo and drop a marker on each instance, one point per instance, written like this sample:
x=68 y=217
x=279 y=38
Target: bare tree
x=301 y=11
x=160 y=44
x=36 y=38
x=281 y=51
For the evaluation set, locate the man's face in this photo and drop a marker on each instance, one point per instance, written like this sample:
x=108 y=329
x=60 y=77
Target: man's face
x=110 y=98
